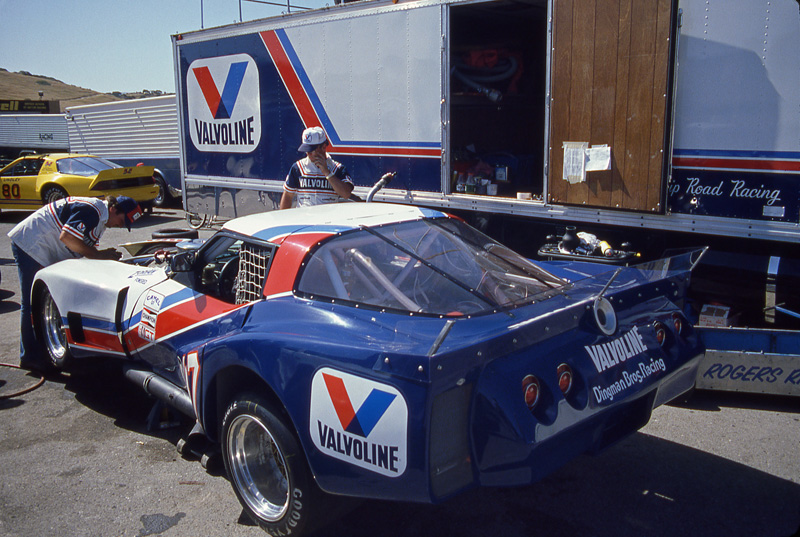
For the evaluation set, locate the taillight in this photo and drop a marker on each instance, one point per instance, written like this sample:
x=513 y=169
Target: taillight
x=661 y=332
x=530 y=390
x=564 y=373
x=677 y=322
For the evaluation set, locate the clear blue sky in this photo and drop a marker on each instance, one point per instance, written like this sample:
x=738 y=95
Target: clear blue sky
x=112 y=45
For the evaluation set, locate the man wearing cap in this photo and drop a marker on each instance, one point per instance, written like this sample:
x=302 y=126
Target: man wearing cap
x=66 y=228
x=317 y=178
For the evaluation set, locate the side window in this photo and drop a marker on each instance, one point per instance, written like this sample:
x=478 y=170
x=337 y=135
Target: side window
x=233 y=270
x=25 y=168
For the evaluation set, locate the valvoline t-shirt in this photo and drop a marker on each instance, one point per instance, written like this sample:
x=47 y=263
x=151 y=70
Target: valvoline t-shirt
x=38 y=235
x=310 y=185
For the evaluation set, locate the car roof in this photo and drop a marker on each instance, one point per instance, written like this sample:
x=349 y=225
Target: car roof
x=56 y=156
x=59 y=156
x=274 y=226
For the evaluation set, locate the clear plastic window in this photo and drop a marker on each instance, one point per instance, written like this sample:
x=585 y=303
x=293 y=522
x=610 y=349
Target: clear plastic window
x=435 y=266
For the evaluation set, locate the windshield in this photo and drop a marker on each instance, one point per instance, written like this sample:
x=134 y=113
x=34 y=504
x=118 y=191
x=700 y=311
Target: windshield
x=85 y=166
x=435 y=266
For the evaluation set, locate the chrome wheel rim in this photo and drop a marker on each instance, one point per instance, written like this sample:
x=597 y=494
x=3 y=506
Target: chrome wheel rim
x=258 y=468
x=54 y=337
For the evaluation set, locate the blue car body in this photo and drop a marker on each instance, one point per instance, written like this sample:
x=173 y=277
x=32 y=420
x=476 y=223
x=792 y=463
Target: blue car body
x=399 y=380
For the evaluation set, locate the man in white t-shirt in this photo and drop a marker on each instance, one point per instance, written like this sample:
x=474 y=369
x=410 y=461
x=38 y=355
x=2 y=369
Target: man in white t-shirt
x=64 y=229
x=317 y=178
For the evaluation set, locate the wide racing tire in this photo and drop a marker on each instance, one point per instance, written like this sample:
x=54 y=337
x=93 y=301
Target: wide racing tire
x=268 y=469
x=51 y=330
x=53 y=193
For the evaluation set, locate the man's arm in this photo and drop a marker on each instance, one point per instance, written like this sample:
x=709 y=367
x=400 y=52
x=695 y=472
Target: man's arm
x=286 y=200
x=342 y=188
x=81 y=248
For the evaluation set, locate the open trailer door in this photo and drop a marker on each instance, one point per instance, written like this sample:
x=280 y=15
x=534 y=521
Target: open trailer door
x=611 y=85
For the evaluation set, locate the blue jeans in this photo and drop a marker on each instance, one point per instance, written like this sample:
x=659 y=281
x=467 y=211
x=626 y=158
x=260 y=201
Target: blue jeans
x=30 y=356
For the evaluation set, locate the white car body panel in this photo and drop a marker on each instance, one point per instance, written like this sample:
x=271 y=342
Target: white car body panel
x=99 y=283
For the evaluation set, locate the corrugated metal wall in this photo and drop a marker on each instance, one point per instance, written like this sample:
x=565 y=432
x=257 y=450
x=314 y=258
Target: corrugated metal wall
x=33 y=131
x=139 y=129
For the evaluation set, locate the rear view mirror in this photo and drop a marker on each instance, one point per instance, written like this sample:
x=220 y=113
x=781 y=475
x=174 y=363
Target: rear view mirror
x=182 y=261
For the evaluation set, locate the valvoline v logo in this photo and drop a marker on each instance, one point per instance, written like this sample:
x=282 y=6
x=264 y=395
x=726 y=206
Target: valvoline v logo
x=359 y=421
x=221 y=105
x=224 y=104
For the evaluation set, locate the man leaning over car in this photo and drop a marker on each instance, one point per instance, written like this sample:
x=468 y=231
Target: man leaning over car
x=64 y=229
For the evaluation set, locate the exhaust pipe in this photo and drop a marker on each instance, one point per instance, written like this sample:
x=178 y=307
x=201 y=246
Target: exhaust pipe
x=161 y=389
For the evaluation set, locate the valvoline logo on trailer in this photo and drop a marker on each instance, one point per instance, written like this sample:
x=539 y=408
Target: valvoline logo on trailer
x=224 y=104
x=359 y=421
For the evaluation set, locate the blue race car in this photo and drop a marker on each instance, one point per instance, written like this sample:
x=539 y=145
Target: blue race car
x=380 y=351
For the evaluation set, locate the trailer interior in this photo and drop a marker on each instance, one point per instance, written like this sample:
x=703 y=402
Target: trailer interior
x=498 y=74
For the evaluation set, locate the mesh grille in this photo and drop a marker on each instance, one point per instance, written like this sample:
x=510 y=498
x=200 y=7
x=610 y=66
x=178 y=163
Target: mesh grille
x=253 y=261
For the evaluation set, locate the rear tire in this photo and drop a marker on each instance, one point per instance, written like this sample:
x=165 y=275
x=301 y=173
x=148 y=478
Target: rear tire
x=163 y=199
x=51 y=330
x=268 y=469
x=53 y=193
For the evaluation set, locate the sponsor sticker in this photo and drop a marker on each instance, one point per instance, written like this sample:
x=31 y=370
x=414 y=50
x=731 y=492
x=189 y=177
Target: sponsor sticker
x=629 y=379
x=612 y=353
x=224 y=104
x=359 y=421
x=149 y=316
x=147 y=333
x=153 y=301
x=191 y=372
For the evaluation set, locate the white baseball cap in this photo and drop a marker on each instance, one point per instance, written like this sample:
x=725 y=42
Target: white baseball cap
x=312 y=137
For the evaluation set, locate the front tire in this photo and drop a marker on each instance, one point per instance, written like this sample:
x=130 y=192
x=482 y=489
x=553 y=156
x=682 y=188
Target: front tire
x=268 y=470
x=51 y=328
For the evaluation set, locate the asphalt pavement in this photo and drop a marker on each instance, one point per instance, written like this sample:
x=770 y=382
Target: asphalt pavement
x=77 y=458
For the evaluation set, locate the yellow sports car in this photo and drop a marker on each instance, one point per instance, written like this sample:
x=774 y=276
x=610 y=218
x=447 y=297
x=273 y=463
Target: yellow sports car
x=34 y=180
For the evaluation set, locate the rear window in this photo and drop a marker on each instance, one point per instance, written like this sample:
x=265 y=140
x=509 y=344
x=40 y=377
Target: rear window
x=84 y=166
x=433 y=266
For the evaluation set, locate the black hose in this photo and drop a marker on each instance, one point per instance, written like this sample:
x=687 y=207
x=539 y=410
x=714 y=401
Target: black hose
x=24 y=390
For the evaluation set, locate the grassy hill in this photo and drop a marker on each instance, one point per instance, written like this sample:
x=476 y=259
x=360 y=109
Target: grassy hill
x=23 y=85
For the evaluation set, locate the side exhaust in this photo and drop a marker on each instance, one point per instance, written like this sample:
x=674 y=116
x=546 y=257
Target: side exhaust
x=161 y=389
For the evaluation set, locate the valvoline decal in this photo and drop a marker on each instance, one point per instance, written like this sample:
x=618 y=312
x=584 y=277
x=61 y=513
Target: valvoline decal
x=359 y=421
x=224 y=104
x=625 y=351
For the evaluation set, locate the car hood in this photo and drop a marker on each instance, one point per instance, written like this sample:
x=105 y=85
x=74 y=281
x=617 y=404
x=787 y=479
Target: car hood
x=92 y=287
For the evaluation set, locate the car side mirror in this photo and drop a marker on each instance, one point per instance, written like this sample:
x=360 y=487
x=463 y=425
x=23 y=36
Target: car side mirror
x=182 y=261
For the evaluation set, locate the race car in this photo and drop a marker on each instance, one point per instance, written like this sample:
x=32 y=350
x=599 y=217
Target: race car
x=378 y=350
x=35 y=180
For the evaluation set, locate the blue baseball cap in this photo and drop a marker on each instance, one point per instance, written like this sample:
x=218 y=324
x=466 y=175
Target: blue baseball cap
x=130 y=209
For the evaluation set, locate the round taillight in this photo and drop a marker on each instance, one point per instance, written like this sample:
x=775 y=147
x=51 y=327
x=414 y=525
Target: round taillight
x=677 y=321
x=661 y=332
x=530 y=389
x=564 y=373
